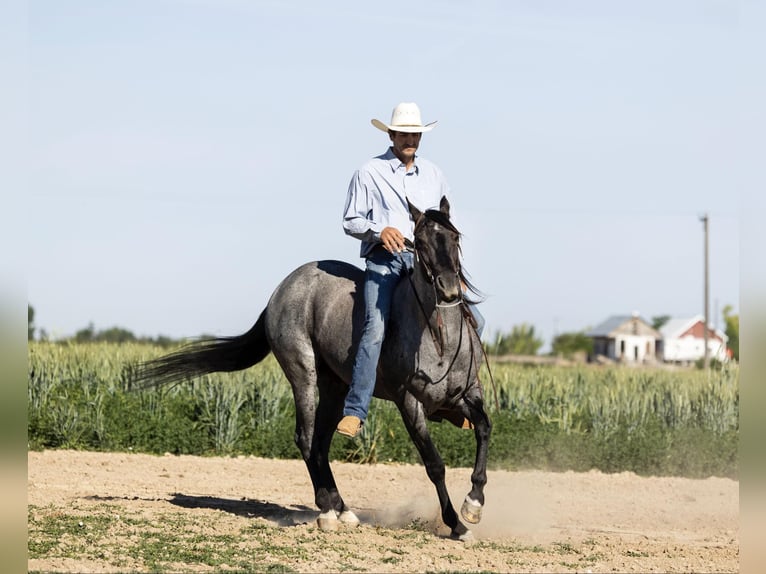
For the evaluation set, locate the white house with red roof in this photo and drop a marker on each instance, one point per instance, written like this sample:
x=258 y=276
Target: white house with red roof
x=683 y=341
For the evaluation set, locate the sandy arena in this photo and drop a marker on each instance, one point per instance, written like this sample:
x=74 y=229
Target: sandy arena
x=533 y=521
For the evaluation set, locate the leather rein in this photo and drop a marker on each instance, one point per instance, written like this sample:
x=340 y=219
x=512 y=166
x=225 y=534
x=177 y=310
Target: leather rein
x=439 y=340
x=437 y=335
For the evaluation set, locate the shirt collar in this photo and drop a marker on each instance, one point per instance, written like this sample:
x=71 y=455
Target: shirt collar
x=396 y=163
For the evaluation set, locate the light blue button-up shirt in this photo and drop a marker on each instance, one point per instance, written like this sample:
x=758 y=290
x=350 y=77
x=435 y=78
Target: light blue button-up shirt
x=378 y=193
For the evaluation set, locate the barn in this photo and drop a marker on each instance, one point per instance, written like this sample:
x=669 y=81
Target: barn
x=683 y=341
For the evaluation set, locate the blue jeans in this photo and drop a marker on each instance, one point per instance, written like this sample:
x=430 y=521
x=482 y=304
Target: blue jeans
x=383 y=272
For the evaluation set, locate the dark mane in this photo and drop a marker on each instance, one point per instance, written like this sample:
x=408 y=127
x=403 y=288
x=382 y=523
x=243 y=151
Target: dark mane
x=442 y=219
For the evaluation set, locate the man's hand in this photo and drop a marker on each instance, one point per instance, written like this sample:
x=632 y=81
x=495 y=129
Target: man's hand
x=392 y=240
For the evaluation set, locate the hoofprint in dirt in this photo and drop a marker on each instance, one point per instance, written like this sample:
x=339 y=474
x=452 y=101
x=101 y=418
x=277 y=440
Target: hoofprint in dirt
x=111 y=512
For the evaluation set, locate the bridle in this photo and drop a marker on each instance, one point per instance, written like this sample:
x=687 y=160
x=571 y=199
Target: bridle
x=437 y=339
x=465 y=314
x=430 y=279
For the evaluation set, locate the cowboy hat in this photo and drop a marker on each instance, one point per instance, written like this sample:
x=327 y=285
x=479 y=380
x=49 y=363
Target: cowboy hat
x=405 y=118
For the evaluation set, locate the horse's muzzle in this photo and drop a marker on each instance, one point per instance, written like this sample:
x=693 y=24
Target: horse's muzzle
x=447 y=291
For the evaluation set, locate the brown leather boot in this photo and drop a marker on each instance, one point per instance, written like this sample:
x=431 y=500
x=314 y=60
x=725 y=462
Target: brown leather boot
x=349 y=426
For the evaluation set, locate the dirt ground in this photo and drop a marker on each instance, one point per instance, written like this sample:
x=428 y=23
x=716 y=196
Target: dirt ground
x=533 y=521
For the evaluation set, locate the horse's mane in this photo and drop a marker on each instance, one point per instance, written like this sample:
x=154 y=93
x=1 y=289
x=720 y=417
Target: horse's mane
x=441 y=218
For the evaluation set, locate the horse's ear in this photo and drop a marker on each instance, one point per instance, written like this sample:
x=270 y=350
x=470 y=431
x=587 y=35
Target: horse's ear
x=414 y=212
x=444 y=205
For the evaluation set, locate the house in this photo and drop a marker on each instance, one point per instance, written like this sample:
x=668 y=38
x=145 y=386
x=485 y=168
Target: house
x=625 y=338
x=683 y=341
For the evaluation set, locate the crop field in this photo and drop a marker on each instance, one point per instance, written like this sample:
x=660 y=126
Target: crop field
x=652 y=422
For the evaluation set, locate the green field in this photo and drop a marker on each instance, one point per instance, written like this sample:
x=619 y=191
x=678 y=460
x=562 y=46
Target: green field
x=652 y=422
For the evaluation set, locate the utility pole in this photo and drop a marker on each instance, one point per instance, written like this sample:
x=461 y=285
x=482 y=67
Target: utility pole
x=704 y=219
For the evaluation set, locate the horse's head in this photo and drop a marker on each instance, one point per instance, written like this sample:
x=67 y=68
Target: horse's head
x=437 y=248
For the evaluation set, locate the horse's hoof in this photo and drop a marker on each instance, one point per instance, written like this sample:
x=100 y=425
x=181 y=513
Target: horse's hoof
x=328 y=520
x=466 y=536
x=471 y=510
x=348 y=518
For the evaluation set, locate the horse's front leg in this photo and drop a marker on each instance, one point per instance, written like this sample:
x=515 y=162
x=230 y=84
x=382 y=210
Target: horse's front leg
x=415 y=422
x=473 y=410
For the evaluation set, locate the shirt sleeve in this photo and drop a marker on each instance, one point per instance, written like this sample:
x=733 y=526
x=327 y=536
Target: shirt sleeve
x=358 y=214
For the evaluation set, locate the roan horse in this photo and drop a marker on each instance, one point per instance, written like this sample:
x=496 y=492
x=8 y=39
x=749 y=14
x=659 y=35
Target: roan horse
x=428 y=367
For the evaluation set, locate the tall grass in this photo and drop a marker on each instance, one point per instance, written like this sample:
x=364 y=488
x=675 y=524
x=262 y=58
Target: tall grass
x=608 y=399
x=648 y=421
x=81 y=396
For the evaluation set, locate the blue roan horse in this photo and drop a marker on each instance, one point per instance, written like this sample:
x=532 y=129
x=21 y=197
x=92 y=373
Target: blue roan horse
x=428 y=367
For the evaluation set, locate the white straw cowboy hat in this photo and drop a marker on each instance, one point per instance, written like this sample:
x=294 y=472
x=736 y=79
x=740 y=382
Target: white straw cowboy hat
x=405 y=118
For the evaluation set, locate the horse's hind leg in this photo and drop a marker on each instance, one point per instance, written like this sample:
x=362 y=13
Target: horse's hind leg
x=415 y=422
x=299 y=364
x=314 y=424
x=332 y=392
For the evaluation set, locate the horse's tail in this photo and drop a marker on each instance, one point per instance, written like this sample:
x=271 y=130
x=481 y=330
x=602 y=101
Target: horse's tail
x=221 y=354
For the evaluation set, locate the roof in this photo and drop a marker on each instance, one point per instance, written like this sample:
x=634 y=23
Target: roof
x=613 y=323
x=674 y=328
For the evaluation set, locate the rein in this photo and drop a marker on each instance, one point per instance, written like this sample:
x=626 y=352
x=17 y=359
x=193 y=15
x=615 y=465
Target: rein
x=439 y=342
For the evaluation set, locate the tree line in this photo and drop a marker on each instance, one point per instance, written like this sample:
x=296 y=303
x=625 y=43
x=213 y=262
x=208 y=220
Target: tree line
x=520 y=340
x=89 y=334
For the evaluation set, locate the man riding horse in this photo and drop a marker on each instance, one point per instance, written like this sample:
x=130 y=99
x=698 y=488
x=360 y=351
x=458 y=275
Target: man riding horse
x=313 y=319
x=377 y=213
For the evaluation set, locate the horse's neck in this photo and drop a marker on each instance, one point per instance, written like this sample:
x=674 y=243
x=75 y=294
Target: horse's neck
x=417 y=301
x=433 y=364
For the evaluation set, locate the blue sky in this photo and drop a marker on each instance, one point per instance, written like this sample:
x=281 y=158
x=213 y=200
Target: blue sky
x=186 y=155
